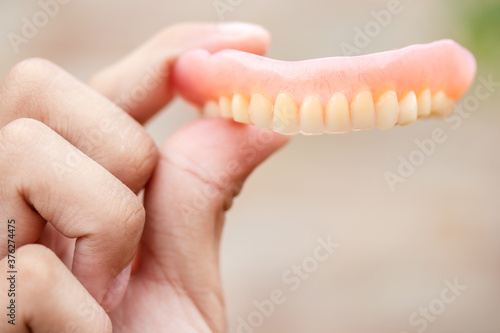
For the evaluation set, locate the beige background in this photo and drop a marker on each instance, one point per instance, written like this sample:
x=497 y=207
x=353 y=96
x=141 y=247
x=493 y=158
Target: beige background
x=396 y=248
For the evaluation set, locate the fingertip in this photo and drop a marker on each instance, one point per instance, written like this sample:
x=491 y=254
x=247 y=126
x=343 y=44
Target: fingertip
x=257 y=36
x=214 y=37
x=240 y=28
x=148 y=68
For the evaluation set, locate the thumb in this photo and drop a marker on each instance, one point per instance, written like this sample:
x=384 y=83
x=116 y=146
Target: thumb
x=140 y=83
x=201 y=169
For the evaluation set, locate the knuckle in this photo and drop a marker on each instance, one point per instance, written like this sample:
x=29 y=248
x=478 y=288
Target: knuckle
x=13 y=139
x=18 y=134
x=40 y=268
x=144 y=161
x=31 y=77
x=128 y=225
x=21 y=129
x=127 y=217
x=134 y=218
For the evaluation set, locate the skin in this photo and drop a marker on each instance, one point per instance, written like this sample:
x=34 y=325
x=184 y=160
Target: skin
x=56 y=167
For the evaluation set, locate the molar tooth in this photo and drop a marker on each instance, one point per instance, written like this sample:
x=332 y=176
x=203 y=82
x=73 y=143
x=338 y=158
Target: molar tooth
x=261 y=111
x=387 y=110
x=441 y=104
x=337 y=114
x=240 y=107
x=211 y=110
x=408 y=109
x=362 y=111
x=424 y=103
x=285 y=117
x=225 y=107
x=311 y=116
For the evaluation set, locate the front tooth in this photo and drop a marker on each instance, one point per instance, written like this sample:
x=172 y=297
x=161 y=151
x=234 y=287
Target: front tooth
x=441 y=104
x=387 y=110
x=337 y=114
x=311 y=116
x=424 y=103
x=408 y=109
x=261 y=111
x=211 y=110
x=225 y=107
x=285 y=117
x=240 y=107
x=362 y=112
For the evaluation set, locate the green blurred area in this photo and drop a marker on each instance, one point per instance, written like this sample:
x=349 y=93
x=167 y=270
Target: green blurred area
x=482 y=26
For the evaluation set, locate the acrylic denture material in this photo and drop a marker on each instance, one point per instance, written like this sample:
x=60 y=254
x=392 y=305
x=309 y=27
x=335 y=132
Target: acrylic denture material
x=328 y=95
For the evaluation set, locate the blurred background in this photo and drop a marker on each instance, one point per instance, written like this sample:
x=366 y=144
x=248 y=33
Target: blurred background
x=397 y=248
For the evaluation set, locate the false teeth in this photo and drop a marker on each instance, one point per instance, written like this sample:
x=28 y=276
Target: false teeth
x=362 y=112
x=285 y=117
x=387 y=110
x=424 y=103
x=312 y=116
x=337 y=116
x=261 y=111
x=408 y=109
x=441 y=105
x=240 y=108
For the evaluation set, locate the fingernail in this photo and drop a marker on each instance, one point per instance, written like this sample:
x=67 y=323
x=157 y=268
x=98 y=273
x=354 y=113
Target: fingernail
x=117 y=290
x=238 y=28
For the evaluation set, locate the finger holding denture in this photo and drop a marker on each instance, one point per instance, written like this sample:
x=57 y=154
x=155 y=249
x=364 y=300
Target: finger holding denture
x=328 y=95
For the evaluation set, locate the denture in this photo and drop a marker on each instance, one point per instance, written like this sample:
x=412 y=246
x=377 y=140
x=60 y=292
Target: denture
x=327 y=95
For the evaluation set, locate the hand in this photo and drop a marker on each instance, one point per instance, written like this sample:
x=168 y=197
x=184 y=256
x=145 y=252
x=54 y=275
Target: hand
x=176 y=286
x=71 y=157
x=176 y=283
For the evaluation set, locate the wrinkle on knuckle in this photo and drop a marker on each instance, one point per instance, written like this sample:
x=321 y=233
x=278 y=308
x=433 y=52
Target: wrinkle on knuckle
x=134 y=218
x=143 y=161
x=130 y=224
x=17 y=140
x=27 y=82
x=127 y=216
x=21 y=132
x=40 y=269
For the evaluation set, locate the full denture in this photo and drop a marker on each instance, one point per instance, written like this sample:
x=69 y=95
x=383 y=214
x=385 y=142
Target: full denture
x=329 y=95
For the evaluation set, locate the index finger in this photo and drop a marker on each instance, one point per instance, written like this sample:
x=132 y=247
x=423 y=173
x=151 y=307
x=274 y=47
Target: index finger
x=140 y=82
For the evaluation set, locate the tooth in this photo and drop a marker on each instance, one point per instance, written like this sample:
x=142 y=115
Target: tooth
x=387 y=110
x=424 y=103
x=240 y=107
x=441 y=104
x=211 y=110
x=408 y=109
x=261 y=111
x=285 y=117
x=311 y=116
x=225 y=107
x=362 y=112
x=337 y=114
